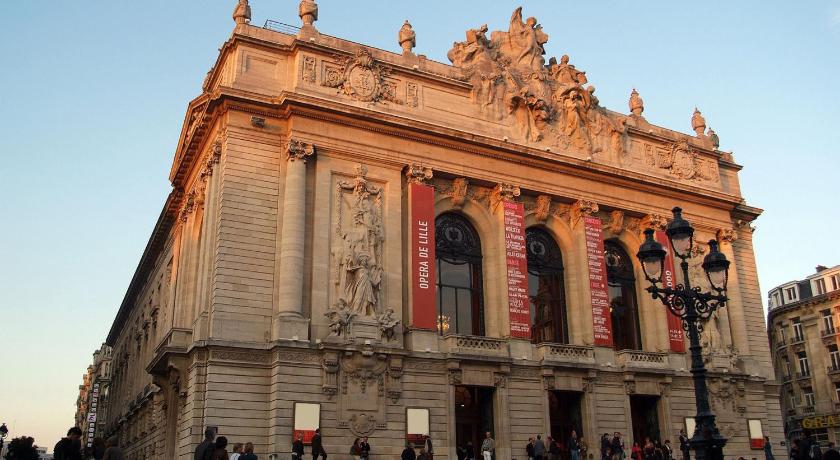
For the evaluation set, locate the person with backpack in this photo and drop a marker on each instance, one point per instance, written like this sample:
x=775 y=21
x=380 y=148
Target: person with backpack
x=70 y=446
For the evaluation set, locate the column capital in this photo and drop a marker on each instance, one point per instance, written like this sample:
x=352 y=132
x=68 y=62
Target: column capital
x=299 y=150
x=654 y=221
x=418 y=174
x=726 y=235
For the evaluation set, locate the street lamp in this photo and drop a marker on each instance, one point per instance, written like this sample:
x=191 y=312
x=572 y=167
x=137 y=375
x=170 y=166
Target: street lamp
x=693 y=307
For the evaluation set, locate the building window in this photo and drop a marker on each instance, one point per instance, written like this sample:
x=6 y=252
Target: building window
x=834 y=356
x=622 y=291
x=828 y=322
x=790 y=293
x=835 y=282
x=820 y=284
x=837 y=391
x=545 y=288
x=459 y=285
x=782 y=333
x=808 y=396
x=787 y=369
x=777 y=299
x=804 y=368
x=791 y=400
x=798 y=332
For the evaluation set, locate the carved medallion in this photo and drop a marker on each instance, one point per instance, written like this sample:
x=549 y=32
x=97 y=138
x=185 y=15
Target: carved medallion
x=361 y=78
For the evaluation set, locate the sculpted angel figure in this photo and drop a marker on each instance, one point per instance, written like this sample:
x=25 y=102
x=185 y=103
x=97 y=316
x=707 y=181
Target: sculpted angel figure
x=387 y=324
x=527 y=40
x=362 y=273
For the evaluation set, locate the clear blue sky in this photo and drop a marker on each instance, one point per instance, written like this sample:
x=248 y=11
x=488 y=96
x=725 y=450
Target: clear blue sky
x=93 y=93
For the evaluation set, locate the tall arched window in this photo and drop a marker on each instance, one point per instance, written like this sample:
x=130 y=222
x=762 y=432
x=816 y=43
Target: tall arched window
x=622 y=290
x=545 y=288
x=459 y=281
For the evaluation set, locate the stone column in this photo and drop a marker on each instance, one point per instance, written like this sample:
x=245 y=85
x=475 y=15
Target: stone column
x=289 y=322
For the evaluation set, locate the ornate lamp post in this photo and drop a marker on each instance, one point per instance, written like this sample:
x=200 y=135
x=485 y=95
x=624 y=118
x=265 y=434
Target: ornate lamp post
x=693 y=307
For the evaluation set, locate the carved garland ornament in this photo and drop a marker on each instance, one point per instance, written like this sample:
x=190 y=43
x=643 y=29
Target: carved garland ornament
x=362 y=78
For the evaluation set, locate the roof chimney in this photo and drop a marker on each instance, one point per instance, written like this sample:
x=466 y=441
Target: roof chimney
x=821 y=268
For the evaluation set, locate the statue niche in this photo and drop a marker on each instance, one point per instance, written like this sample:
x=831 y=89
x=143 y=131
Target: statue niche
x=548 y=104
x=358 y=238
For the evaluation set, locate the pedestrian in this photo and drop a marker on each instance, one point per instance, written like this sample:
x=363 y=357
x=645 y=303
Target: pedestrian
x=356 y=449
x=237 y=451
x=423 y=454
x=667 y=450
x=794 y=450
x=365 y=454
x=204 y=451
x=768 y=449
x=648 y=450
x=488 y=447
x=617 y=446
x=553 y=449
x=112 y=449
x=684 y=446
x=469 y=451
x=70 y=446
x=408 y=453
x=97 y=448
x=430 y=451
x=605 y=447
x=658 y=451
x=636 y=451
x=830 y=454
x=539 y=448
x=529 y=449
x=805 y=446
x=248 y=452
x=584 y=447
x=317 y=446
x=572 y=445
x=220 y=449
x=297 y=448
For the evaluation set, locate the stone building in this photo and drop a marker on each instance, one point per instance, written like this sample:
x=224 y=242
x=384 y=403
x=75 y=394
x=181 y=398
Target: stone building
x=93 y=395
x=803 y=328
x=387 y=246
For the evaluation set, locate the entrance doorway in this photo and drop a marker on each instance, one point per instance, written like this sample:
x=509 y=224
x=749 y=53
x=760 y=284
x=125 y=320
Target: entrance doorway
x=473 y=415
x=644 y=411
x=564 y=409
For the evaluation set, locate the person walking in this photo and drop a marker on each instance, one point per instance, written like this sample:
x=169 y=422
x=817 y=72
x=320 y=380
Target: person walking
x=317 y=446
x=237 y=451
x=605 y=447
x=553 y=449
x=220 y=449
x=617 y=446
x=204 y=451
x=248 y=452
x=408 y=453
x=636 y=451
x=794 y=450
x=488 y=447
x=356 y=449
x=667 y=450
x=768 y=449
x=70 y=446
x=365 y=445
x=684 y=446
x=297 y=448
x=573 y=446
x=539 y=448
x=112 y=449
x=430 y=451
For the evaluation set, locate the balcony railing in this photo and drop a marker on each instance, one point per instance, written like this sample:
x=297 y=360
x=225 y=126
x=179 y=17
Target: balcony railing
x=808 y=410
x=780 y=343
x=475 y=345
x=646 y=359
x=566 y=353
x=797 y=339
x=803 y=375
x=828 y=332
x=833 y=369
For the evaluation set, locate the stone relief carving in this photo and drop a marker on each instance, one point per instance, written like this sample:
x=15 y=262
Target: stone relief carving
x=654 y=221
x=299 y=151
x=616 y=222
x=339 y=321
x=308 y=70
x=503 y=192
x=547 y=103
x=458 y=192
x=682 y=161
x=726 y=235
x=362 y=78
x=412 y=94
x=582 y=208
x=228 y=355
x=358 y=238
x=407 y=38
x=455 y=376
x=542 y=208
x=388 y=325
x=416 y=173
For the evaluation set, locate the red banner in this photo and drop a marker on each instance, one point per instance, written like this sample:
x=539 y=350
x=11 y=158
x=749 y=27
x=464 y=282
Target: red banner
x=601 y=320
x=422 y=201
x=307 y=435
x=675 y=330
x=519 y=308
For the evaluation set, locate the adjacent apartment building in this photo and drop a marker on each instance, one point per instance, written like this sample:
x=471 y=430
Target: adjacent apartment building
x=804 y=330
x=381 y=245
x=92 y=402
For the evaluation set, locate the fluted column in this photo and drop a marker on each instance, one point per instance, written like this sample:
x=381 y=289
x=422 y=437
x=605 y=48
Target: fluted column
x=289 y=322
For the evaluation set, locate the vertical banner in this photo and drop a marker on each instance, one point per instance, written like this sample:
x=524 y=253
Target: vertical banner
x=675 y=330
x=601 y=320
x=519 y=308
x=422 y=202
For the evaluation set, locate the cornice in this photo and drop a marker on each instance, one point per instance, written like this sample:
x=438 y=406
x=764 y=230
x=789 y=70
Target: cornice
x=810 y=301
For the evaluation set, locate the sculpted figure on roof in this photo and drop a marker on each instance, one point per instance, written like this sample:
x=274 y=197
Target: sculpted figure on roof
x=548 y=104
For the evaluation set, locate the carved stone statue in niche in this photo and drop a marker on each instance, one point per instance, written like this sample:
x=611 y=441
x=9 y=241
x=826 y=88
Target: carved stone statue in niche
x=547 y=104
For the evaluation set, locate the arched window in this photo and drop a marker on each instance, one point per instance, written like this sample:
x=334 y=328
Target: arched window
x=459 y=281
x=622 y=290
x=545 y=288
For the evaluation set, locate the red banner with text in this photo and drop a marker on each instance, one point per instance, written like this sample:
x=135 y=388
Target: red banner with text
x=519 y=307
x=675 y=331
x=422 y=201
x=601 y=320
